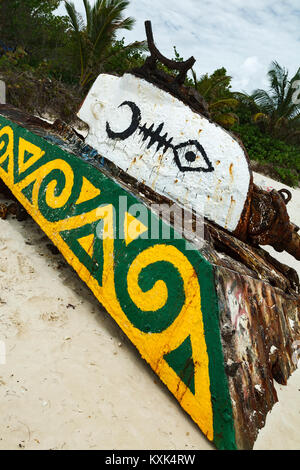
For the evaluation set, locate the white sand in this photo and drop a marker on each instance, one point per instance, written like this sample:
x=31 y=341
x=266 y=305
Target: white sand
x=282 y=430
x=72 y=380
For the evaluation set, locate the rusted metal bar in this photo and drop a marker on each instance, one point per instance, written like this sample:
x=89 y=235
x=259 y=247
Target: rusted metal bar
x=182 y=67
x=174 y=85
x=269 y=222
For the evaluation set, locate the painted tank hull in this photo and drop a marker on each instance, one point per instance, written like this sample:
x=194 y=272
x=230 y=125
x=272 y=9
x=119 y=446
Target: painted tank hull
x=191 y=310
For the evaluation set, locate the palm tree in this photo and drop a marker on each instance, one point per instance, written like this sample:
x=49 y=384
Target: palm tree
x=95 y=34
x=279 y=112
x=215 y=89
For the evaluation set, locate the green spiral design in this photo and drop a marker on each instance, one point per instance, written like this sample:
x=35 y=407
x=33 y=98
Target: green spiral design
x=50 y=213
x=4 y=141
x=150 y=321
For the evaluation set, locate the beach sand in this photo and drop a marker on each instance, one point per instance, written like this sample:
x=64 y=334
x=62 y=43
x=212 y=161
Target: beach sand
x=72 y=380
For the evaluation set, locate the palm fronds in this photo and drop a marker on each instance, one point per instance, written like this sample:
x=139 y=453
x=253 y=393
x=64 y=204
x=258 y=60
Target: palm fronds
x=277 y=112
x=95 y=34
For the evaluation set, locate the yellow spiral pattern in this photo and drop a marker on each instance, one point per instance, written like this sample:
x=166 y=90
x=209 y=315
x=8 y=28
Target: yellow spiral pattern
x=153 y=347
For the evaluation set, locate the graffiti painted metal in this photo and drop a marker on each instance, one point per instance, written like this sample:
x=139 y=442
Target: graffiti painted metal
x=215 y=316
x=157 y=139
x=217 y=324
x=157 y=130
x=259 y=326
x=159 y=292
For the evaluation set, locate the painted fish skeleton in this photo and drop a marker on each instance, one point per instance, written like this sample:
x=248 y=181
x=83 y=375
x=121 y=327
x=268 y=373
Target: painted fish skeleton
x=160 y=141
x=157 y=130
x=184 y=154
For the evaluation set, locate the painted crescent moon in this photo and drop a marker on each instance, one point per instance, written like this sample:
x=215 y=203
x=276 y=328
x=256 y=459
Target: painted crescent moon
x=135 y=121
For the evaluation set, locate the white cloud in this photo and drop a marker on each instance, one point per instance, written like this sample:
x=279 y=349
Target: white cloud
x=242 y=36
x=251 y=75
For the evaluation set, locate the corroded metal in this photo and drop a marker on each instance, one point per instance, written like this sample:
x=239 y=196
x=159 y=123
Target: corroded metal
x=269 y=222
x=181 y=67
x=3 y=211
x=172 y=84
x=259 y=326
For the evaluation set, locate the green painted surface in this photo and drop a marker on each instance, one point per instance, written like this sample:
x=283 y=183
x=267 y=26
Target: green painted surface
x=181 y=360
x=148 y=322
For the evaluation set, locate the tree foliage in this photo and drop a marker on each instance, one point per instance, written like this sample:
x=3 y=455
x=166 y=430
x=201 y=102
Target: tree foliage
x=34 y=90
x=30 y=24
x=96 y=33
x=216 y=89
x=278 y=114
x=50 y=61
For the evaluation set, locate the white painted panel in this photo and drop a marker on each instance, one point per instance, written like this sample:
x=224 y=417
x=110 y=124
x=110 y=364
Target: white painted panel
x=157 y=139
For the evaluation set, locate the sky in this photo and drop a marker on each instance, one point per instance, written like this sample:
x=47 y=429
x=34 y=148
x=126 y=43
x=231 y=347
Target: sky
x=241 y=35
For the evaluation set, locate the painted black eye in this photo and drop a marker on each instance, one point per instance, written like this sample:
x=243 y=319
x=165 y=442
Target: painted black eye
x=191 y=156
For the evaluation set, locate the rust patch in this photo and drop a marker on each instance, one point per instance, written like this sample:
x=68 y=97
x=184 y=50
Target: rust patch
x=231 y=209
x=269 y=222
x=259 y=325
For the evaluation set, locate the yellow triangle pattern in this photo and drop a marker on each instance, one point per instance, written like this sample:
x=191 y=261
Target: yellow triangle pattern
x=88 y=191
x=87 y=244
x=36 y=154
x=133 y=228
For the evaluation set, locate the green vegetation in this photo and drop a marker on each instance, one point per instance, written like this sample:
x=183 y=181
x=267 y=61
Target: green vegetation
x=274 y=157
x=49 y=63
x=278 y=114
x=216 y=89
x=96 y=34
x=269 y=126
